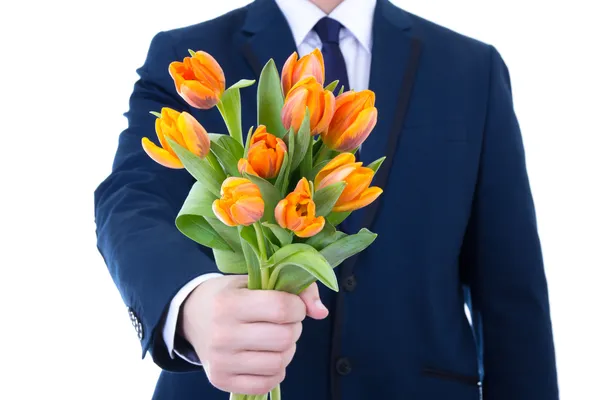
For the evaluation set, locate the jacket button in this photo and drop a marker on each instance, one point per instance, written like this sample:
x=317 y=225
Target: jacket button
x=349 y=283
x=343 y=366
x=137 y=325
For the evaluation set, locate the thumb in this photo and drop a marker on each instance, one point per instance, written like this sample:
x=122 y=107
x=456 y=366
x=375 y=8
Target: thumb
x=314 y=307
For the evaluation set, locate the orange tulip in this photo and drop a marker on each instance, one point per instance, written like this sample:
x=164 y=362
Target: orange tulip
x=184 y=130
x=297 y=212
x=199 y=80
x=295 y=70
x=320 y=102
x=240 y=202
x=353 y=120
x=265 y=155
x=357 y=193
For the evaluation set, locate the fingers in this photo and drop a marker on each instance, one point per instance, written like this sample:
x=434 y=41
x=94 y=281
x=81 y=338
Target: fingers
x=266 y=337
x=312 y=301
x=269 y=306
x=248 y=384
x=260 y=363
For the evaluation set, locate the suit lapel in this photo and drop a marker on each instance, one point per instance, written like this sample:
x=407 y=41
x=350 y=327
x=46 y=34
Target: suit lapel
x=395 y=60
x=268 y=35
x=390 y=57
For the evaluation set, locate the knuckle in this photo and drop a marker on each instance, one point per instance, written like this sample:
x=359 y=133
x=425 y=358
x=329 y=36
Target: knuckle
x=221 y=338
x=279 y=378
x=280 y=311
x=288 y=356
x=220 y=380
x=288 y=338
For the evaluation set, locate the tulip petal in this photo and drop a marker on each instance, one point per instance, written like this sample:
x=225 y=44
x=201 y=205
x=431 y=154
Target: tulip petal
x=280 y=212
x=194 y=135
x=328 y=110
x=210 y=69
x=221 y=213
x=366 y=198
x=177 y=71
x=287 y=72
x=303 y=188
x=312 y=229
x=358 y=132
x=336 y=162
x=356 y=183
x=294 y=108
x=245 y=167
x=160 y=155
x=247 y=210
x=197 y=95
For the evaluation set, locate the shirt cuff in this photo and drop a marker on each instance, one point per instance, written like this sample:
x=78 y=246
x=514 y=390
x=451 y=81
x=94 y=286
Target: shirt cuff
x=170 y=327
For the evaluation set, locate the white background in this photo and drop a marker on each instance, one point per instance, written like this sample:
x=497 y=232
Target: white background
x=66 y=74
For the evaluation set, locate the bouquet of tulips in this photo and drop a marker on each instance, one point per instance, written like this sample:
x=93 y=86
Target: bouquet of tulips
x=268 y=206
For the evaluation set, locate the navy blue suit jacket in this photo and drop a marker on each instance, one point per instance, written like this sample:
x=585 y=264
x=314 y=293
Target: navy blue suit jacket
x=456 y=212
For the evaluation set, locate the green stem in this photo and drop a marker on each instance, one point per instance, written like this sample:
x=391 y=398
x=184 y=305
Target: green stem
x=262 y=248
x=322 y=154
x=276 y=393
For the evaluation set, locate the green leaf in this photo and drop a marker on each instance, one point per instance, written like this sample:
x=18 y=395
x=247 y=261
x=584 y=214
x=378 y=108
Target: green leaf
x=248 y=234
x=231 y=111
x=270 y=195
x=307 y=161
x=348 y=246
x=316 y=169
x=248 y=138
x=253 y=265
x=336 y=218
x=284 y=237
x=230 y=262
x=298 y=256
x=228 y=233
x=199 y=201
x=341 y=90
x=242 y=83
x=298 y=280
x=326 y=198
x=270 y=100
x=376 y=164
x=302 y=140
x=283 y=178
x=156 y=114
x=199 y=168
x=192 y=52
x=228 y=151
x=331 y=87
x=200 y=231
x=324 y=238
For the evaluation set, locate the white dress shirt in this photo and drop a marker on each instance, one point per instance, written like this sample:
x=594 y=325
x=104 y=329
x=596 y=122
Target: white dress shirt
x=356 y=40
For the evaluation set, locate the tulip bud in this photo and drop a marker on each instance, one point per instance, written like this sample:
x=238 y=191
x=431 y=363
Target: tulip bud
x=182 y=128
x=320 y=102
x=357 y=193
x=295 y=70
x=240 y=203
x=297 y=212
x=265 y=155
x=199 y=80
x=353 y=120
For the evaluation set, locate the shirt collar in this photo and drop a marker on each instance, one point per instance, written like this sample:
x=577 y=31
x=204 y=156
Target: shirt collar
x=355 y=15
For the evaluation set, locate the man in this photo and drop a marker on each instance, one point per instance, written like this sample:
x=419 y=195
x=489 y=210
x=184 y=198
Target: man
x=456 y=212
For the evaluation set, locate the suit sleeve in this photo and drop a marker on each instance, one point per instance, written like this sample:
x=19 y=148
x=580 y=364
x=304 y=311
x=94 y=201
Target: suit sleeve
x=135 y=209
x=503 y=257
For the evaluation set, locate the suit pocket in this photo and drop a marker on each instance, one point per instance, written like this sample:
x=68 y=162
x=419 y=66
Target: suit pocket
x=471 y=380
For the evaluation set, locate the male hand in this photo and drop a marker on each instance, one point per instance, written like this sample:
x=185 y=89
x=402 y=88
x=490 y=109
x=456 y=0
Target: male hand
x=246 y=338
